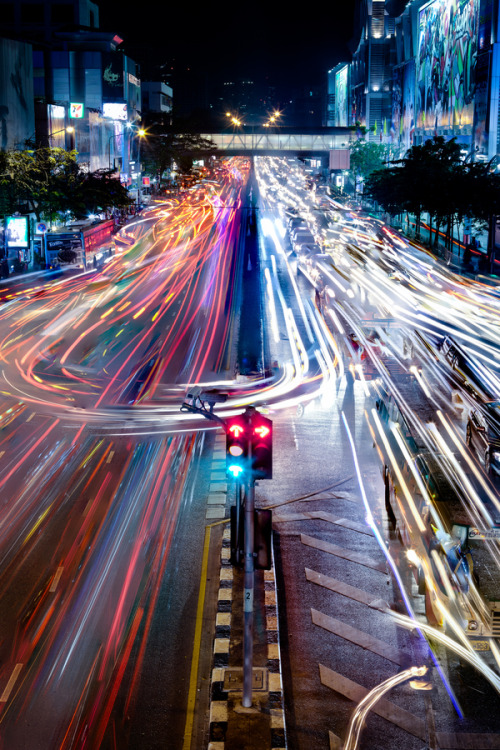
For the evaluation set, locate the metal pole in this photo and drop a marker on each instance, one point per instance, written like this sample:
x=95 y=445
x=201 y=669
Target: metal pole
x=139 y=178
x=248 y=592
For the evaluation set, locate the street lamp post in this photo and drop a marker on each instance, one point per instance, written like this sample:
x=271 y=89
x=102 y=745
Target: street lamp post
x=70 y=129
x=109 y=148
x=140 y=133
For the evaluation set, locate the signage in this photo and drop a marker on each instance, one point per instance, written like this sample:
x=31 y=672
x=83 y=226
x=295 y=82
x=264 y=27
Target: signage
x=41 y=228
x=63 y=241
x=340 y=158
x=17 y=231
x=56 y=112
x=146 y=181
x=484 y=533
x=112 y=75
x=480 y=645
x=115 y=110
x=76 y=110
x=133 y=80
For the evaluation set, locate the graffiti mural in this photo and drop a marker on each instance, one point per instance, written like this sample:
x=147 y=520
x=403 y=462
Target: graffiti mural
x=446 y=62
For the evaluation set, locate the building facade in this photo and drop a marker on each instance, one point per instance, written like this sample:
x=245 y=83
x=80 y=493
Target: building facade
x=421 y=69
x=17 y=111
x=85 y=94
x=157 y=100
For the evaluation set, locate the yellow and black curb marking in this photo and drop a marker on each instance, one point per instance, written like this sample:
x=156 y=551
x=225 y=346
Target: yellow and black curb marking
x=219 y=711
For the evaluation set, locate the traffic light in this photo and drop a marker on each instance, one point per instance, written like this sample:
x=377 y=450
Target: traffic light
x=237 y=433
x=262 y=446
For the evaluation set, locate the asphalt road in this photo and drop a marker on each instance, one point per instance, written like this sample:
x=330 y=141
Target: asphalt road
x=103 y=481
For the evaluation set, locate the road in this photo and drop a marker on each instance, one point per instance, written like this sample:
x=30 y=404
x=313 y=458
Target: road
x=99 y=469
x=342 y=563
x=104 y=480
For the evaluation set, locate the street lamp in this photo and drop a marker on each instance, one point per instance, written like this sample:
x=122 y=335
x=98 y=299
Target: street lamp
x=69 y=129
x=234 y=119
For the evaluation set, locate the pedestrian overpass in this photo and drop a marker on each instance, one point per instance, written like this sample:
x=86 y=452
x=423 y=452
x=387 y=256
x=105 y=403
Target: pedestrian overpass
x=284 y=140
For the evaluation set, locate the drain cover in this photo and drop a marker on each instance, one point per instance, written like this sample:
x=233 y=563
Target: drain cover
x=233 y=678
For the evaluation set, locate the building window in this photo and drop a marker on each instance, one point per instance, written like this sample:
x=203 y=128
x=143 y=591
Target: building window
x=8 y=15
x=61 y=13
x=31 y=13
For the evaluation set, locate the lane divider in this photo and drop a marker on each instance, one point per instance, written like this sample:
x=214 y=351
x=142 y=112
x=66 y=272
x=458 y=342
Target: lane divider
x=219 y=708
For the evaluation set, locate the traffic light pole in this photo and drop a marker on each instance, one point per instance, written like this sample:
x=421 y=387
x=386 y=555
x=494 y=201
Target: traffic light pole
x=248 y=594
x=249 y=457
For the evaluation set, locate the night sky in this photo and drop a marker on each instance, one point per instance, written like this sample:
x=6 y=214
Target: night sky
x=248 y=39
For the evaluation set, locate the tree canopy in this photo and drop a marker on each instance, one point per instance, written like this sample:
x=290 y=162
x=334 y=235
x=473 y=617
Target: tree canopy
x=161 y=151
x=432 y=178
x=50 y=182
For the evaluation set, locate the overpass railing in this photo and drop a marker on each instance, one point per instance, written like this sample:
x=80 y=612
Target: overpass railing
x=268 y=142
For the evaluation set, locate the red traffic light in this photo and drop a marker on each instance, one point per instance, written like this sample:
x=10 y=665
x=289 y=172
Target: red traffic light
x=262 y=446
x=236 y=445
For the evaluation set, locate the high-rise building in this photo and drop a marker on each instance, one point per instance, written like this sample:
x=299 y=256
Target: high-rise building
x=87 y=94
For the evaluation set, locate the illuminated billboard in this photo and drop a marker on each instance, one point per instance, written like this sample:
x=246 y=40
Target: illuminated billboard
x=445 y=66
x=17 y=231
x=341 y=97
x=115 y=110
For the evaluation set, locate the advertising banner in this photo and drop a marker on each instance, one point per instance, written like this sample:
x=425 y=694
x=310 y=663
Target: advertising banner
x=17 y=231
x=56 y=242
x=446 y=61
x=341 y=97
x=112 y=76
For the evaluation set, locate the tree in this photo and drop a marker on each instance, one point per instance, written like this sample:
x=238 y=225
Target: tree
x=49 y=181
x=367 y=157
x=42 y=179
x=432 y=170
x=161 y=151
x=387 y=187
x=97 y=192
x=432 y=178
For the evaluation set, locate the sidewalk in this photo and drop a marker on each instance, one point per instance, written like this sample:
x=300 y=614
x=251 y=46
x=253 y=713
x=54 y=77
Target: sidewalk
x=454 y=258
x=233 y=727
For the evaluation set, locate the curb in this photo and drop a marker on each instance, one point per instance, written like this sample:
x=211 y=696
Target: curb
x=220 y=713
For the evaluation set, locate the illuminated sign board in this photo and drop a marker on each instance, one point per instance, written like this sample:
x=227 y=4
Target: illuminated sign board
x=56 y=112
x=76 y=110
x=16 y=231
x=115 y=110
x=341 y=97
